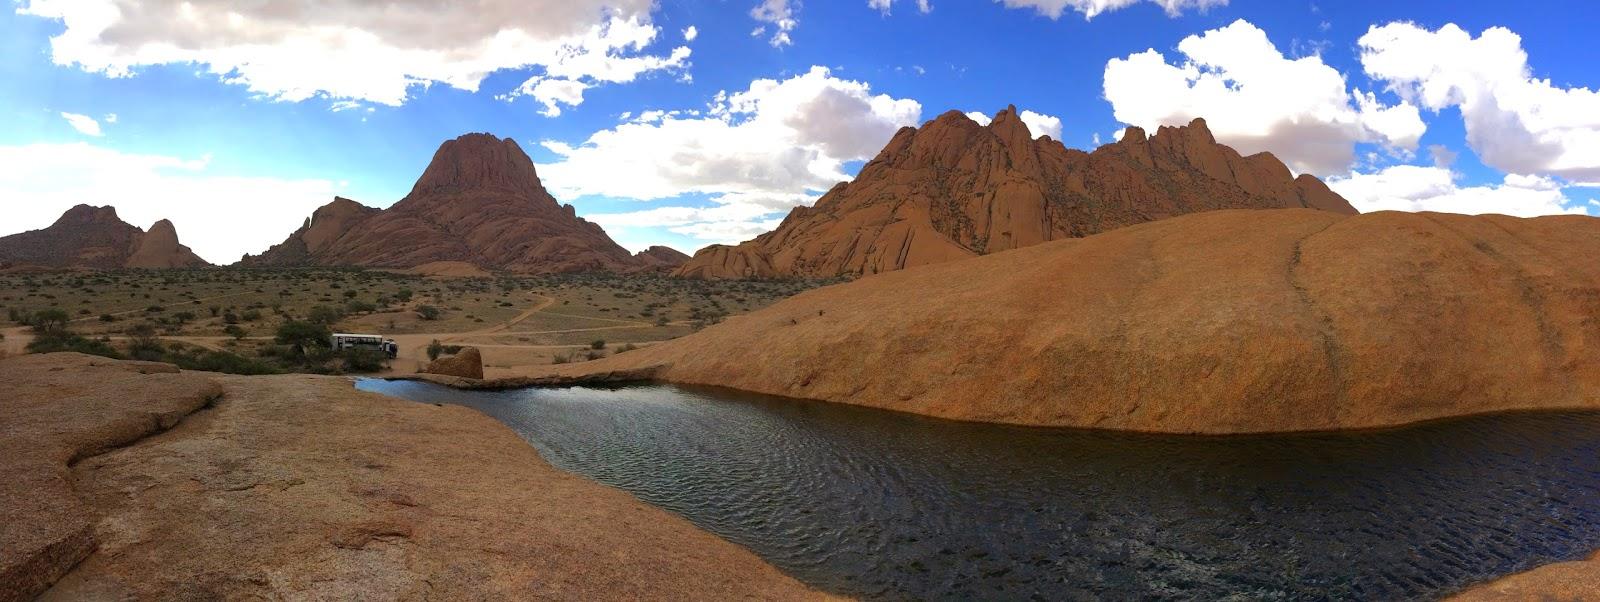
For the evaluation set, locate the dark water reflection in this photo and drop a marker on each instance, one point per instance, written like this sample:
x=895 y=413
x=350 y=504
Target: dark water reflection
x=891 y=506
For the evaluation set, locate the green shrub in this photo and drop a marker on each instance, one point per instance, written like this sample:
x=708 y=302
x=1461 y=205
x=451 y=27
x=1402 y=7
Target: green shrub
x=363 y=360
x=303 y=336
x=49 y=321
x=221 y=361
x=66 y=341
x=597 y=344
x=323 y=314
x=428 y=312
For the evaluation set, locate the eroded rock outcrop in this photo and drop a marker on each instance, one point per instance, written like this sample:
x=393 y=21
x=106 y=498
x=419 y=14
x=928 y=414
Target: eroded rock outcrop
x=58 y=409
x=94 y=237
x=480 y=202
x=1217 y=322
x=326 y=225
x=659 y=258
x=300 y=488
x=955 y=189
x=468 y=363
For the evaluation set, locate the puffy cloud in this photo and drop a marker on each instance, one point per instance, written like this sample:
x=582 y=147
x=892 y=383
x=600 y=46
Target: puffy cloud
x=1419 y=188
x=1038 y=124
x=85 y=124
x=1041 y=125
x=44 y=180
x=1515 y=122
x=781 y=16
x=1092 y=8
x=883 y=6
x=354 y=49
x=1256 y=99
x=756 y=153
x=690 y=33
x=1088 y=8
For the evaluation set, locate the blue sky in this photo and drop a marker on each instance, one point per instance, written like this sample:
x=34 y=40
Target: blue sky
x=236 y=121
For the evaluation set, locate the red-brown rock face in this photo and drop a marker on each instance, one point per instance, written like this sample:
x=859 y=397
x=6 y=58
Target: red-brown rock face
x=94 y=237
x=955 y=189
x=479 y=201
x=659 y=258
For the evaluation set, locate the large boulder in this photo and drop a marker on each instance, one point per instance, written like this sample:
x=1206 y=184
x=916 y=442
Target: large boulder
x=466 y=364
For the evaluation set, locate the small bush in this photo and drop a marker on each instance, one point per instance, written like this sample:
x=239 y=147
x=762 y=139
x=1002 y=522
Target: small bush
x=428 y=312
x=363 y=360
x=323 y=314
x=66 y=341
x=598 y=344
x=47 y=322
x=303 y=336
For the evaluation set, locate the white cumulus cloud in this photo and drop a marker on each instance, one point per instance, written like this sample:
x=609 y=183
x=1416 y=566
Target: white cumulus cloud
x=1256 y=99
x=85 y=124
x=782 y=16
x=884 y=6
x=756 y=152
x=44 y=180
x=1092 y=8
x=1515 y=122
x=374 y=52
x=1433 y=188
x=1041 y=125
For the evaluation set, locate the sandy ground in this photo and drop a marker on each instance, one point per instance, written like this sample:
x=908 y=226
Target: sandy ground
x=501 y=359
x=300 y=487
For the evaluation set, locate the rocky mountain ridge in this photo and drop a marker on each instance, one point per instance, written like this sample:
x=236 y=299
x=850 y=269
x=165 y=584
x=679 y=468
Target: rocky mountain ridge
x=86 y=236
x=479 y=201
x=954 y=189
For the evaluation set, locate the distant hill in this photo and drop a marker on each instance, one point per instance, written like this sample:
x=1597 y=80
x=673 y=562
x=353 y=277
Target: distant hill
x=480 y=202
x=955 y=189
x=661 y=258
x=94 y=237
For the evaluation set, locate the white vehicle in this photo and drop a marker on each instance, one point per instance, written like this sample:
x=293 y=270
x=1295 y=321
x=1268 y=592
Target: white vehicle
x=342 y=341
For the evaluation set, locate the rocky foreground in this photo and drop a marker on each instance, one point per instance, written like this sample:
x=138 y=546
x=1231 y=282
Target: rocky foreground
x=1221 y=322
x=129 y=480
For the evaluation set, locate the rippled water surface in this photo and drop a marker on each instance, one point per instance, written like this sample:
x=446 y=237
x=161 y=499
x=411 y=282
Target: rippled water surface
x=891 y=506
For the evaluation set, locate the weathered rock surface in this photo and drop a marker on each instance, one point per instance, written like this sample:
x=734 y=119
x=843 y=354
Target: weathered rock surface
x=1217 y=322
x=466 y=364
x=660 y=258
x=319 y=231
x=955 y=189
x=479 y=202
x=57 y=410
x=94 y=237
x=300 y=487
x=1575 y=581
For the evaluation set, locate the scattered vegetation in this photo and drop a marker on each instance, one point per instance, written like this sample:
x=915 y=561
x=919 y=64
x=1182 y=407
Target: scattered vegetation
x=260 y=320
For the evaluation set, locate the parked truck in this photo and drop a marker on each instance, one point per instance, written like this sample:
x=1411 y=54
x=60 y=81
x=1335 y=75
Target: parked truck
x=375 y=342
